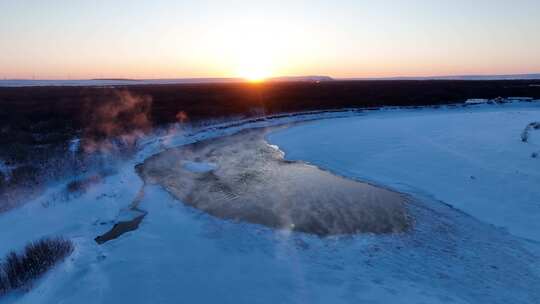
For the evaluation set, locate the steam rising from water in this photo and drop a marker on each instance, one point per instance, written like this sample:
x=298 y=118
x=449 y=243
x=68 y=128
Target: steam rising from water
x=120 y=121
x=247 y=179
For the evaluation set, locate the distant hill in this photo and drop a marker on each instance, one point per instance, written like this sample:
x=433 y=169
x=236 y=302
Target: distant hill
x=309 y=78
x=301 y=78
x=128 y=81
x=459 y=77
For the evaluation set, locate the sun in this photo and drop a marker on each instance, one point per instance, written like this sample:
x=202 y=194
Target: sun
x=251 y=52
x=255 y=73
x=254 y=65
x=255 y=76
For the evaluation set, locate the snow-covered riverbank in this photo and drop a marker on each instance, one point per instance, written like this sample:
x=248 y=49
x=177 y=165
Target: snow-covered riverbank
x=471 y=158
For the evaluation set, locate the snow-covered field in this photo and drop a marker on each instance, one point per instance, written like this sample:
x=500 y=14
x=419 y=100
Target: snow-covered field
x=484 y=249
x=473 y=160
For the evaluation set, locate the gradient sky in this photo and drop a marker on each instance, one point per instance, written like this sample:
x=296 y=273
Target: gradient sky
x=193 y=38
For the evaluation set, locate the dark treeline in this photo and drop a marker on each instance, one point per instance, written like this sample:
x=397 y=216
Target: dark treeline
x=70 y=106
x=42 y=117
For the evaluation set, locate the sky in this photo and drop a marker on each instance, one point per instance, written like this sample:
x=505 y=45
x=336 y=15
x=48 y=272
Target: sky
x=72 y=39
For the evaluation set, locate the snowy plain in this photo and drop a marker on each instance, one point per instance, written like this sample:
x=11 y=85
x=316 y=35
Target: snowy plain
x=471 y=159
x=483 y=249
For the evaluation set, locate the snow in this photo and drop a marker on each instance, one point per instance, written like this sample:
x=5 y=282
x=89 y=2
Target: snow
x=520 y=98
x=180 y=254
x=476 y=100
x=471 y=159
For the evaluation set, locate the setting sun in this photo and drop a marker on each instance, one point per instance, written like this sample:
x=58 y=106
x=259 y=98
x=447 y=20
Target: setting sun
x=251 y=49
x=254 y=75
x=253 y=68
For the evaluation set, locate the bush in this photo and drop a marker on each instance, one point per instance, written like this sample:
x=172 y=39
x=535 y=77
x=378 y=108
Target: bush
x=18 y=270
x=525 y=134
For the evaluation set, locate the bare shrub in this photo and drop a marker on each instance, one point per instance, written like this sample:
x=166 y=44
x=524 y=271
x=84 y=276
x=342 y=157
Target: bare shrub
x=19 y=269
x=525 y=134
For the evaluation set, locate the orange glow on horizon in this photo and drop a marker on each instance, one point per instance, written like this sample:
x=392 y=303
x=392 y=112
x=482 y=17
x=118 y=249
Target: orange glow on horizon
x=255 y=77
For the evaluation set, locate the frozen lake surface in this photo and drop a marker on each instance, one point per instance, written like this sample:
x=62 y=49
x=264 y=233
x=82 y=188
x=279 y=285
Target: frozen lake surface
x=475 y=236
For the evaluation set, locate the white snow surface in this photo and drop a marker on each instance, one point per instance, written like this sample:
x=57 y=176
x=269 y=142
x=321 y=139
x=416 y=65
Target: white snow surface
x=473 y=160
x=180 y=254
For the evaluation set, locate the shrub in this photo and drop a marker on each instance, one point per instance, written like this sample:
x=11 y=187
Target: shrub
x=81 y=185
x=525 y=134
x=19 y=269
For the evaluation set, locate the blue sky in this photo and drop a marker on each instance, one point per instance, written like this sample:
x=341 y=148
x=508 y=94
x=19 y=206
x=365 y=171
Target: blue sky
x=153 y=39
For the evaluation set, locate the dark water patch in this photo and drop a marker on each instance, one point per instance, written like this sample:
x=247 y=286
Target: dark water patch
x=248 y=180
x=120 y=228
x=135 y=214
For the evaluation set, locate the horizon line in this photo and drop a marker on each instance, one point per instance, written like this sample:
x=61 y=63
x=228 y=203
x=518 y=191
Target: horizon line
x=273 y=77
